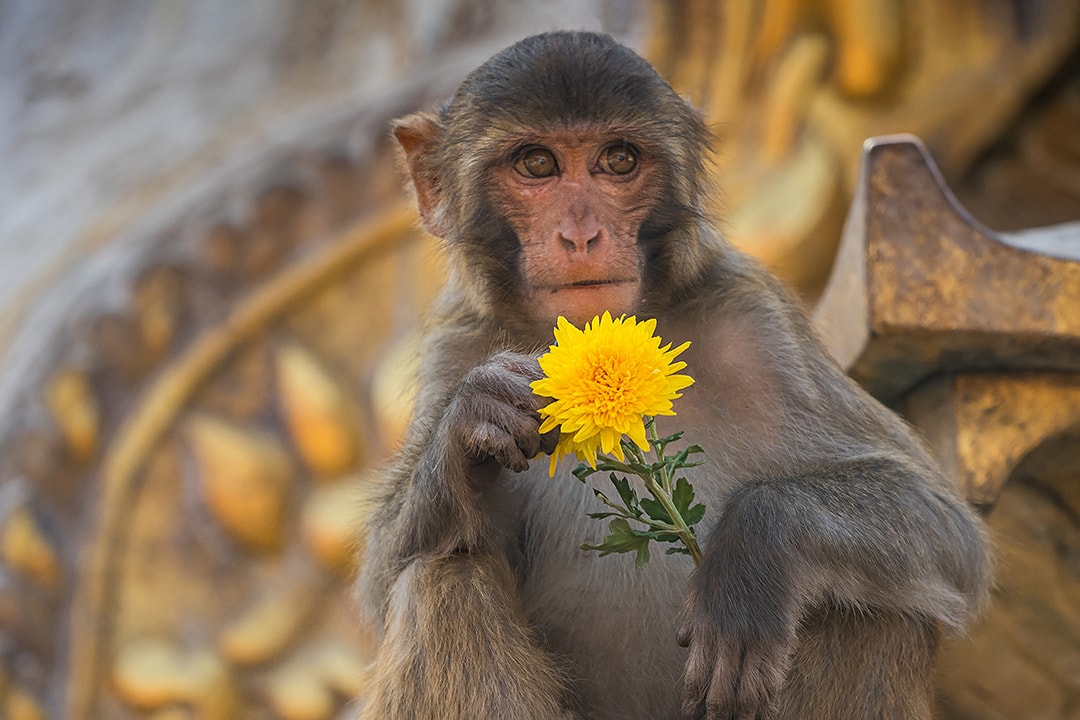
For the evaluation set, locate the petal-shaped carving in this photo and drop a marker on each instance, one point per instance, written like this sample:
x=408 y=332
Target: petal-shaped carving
x=342 y=667
x=152 y=672
x=18 y=704
x=267 y=627
x=25 y=548
x=330 y=523
x=318 y=413
x=244 y=477
x=296 y=692
x=75 y=411
x=394 y=389
x=305 y=686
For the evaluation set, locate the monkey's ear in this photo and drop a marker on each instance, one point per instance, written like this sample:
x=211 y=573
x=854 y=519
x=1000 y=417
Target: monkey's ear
x=418 y=134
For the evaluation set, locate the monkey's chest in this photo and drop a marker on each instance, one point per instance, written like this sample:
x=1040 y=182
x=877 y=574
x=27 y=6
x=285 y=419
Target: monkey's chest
x=603 y=615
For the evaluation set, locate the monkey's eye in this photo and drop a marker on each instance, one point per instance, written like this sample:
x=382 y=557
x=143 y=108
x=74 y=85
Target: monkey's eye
x=536 y=163
x=618 y=159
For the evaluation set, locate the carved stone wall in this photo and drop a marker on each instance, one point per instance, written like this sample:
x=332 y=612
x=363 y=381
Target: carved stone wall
x=206 y=322
x=989 y=371
x=1023 y=658
x=794 y=87
x=210 y=282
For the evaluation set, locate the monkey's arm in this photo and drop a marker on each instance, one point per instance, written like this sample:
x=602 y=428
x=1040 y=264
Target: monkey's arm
x=436 y=582
x=470 y=423
x=867 y=534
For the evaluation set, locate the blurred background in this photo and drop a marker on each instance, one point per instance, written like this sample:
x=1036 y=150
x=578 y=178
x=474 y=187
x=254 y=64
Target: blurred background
x=211 y=280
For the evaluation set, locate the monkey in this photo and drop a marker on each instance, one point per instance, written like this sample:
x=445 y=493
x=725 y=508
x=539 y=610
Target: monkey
x=565 y=178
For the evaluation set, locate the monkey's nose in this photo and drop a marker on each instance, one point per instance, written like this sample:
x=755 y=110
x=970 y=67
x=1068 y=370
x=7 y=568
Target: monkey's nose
x=579 y=242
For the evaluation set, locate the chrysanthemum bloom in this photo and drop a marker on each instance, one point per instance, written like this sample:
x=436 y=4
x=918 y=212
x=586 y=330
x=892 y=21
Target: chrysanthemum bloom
x=604 y=380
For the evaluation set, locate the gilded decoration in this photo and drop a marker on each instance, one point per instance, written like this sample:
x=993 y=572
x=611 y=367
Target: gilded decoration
x=179 y=498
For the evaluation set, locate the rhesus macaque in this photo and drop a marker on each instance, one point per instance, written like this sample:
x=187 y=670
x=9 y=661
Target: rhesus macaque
x=567 y=178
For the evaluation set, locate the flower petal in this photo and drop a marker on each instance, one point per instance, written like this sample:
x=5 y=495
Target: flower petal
x=602 y=379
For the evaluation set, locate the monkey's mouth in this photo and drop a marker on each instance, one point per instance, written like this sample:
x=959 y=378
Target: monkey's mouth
x=587 y=284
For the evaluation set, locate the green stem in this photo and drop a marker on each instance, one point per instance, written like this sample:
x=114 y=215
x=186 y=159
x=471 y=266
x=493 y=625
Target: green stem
x=654 y=440
x=663 y=490
x=654 y=437
x=681 y=528
x=623 y=510
x=612 y=464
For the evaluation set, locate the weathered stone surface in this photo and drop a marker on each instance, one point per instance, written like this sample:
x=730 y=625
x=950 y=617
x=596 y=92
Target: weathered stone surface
x=1022 y=660
x=229 y=189
x=981 y=425
x=920 y=287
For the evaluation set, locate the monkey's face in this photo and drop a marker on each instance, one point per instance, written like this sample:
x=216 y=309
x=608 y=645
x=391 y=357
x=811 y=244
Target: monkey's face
x=576 y=201
x=566 y=177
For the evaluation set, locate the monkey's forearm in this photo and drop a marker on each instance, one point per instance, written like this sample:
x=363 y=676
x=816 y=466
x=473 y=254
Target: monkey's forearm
x=454 y=632
x=437 y=509
x=867 y=533
x=447 y=475
x=424 y=514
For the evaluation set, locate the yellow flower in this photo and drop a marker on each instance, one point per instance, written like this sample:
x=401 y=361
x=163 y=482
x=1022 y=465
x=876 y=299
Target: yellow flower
x=604 y=380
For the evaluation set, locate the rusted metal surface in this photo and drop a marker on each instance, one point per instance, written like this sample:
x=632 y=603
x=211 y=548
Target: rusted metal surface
x=920 y=287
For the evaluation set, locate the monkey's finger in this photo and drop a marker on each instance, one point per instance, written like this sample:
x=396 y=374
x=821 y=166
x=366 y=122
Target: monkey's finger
x=527 y=366
x=754 y=686
x=510 y=457
x=721 y=698
x=697 y=676
x=549 y=441
x=686 y=633
x=525 y=430
x=529 y=444
x=488 y=440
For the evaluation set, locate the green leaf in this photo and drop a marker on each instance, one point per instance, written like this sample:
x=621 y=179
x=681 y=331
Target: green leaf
x=682 y=497
x=670 y=438
x=602 y=515
x=622 y=538
x=616 y=466
x=629 y=497
x=677 y=551
x=620 y=510
x=583 y=471
x=680 y=458
x=694 y=514
x=658 y=535
x=656 y=511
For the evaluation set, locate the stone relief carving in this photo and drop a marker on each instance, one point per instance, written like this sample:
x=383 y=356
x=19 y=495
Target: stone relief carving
x=178 y=494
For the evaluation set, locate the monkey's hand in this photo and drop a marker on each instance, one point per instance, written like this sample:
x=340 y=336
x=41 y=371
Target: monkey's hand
x=739 y=621
x=493 y=416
